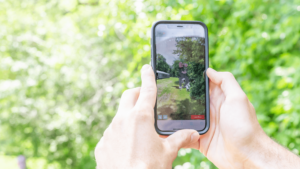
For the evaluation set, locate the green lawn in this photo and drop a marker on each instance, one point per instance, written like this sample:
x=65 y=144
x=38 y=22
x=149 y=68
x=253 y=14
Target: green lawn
x=175 y=102
x=172 y=85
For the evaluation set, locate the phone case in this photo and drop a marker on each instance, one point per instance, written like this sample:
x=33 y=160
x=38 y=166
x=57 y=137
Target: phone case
x=153 y=64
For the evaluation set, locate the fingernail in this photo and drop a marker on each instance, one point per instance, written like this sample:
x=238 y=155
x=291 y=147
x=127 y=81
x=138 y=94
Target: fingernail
x=145 y=67
x=194 y=135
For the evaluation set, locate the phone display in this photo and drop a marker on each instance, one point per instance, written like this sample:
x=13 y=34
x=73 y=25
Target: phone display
x=180 y=60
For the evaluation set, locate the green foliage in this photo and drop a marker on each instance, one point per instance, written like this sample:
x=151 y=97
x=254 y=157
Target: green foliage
x=192 y=50
x=162 y=64
x=195 y=72
x=186 y=108
x=64 y=65
x=175 y=68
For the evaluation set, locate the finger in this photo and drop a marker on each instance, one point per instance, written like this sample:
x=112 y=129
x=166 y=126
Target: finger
x=98 y=146
x=128 y=100
x=148 y=91
x=182 y=139
x=194 y=145
x=226 y=80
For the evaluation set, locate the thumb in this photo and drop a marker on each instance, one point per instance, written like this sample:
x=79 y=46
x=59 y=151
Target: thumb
x=182 y=139
x=227 y=82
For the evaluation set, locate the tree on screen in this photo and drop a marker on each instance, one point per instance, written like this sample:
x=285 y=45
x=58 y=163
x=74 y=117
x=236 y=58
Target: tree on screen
x=191 y=50
x=162 y=64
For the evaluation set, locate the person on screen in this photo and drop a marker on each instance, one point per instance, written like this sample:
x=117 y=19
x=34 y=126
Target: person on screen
x=183 y=77
x=235 y=138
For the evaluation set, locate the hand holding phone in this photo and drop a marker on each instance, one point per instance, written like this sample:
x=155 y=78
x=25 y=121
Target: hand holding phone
x=131 y=141
x=179 y=58
x=235 y=138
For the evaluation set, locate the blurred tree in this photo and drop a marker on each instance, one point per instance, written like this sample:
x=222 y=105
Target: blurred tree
x=191 y=50
x=175 y=68
x=162 y=64
x=64 y=65
x=197 y=82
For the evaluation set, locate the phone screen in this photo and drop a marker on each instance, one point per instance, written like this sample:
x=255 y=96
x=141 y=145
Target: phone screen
x=180 y=63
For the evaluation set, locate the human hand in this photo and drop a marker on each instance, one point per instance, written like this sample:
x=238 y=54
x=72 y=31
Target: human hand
x=234 y=132
x=131 y=140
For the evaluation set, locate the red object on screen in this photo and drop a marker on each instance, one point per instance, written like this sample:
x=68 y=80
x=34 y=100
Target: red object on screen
x=198 y=117
x=180 y=65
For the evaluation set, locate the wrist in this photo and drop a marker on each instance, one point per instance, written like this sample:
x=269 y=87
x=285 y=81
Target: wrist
x=269 y=154
x=260 y=150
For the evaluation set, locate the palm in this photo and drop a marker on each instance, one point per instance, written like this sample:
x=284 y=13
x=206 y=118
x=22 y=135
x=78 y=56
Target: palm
x=231 y=125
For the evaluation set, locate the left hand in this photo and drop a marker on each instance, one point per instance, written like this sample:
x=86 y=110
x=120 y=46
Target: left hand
x=131 y=140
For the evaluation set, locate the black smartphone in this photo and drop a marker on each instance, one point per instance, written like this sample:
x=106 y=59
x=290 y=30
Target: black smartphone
x=179 y=59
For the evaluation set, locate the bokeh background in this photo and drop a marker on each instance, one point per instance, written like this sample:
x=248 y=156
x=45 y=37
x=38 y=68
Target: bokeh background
x=64 y=65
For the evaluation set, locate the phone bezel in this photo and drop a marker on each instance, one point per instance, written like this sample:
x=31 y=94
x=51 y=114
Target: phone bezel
x=153 y=64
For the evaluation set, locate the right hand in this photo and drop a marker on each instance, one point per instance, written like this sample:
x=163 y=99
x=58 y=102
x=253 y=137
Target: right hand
x=234 y=130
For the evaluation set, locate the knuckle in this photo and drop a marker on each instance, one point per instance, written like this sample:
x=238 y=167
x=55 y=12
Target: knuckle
x=149 y=89
x=130 y=92
x=143 y=109
x=143 y=113
x=170 y=149
x=126 y=93
x=184 y=136
x=99 y=145
x=251 y=106
x=228 y=75
x=116 y=123
x=145 y=116
x=241 y=97
x=105 y=132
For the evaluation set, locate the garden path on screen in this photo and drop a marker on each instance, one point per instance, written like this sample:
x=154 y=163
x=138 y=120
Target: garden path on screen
x=176 y=103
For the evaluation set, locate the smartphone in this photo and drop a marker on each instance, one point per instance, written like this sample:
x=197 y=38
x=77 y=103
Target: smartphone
x=179 y=58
